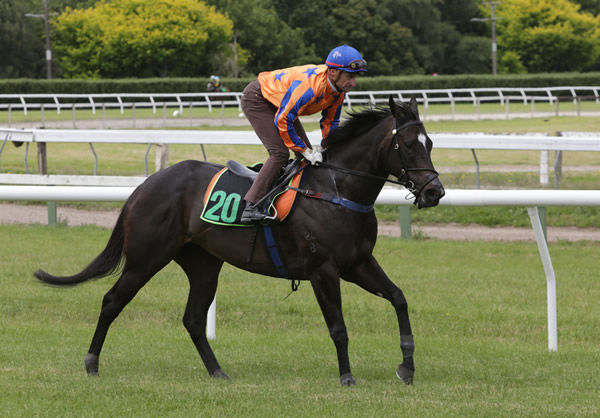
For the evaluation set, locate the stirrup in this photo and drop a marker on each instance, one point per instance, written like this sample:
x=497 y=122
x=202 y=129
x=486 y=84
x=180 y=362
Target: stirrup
x=272 y=217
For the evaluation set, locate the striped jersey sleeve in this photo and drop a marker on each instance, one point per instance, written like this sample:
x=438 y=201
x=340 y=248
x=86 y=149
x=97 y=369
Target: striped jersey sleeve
x=298 y=91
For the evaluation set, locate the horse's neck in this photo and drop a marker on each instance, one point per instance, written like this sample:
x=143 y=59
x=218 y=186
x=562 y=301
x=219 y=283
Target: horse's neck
x=363 y=155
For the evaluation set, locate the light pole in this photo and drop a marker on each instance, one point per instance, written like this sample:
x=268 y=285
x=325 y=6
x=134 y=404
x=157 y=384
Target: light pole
x=47 y=29
x=493 y=19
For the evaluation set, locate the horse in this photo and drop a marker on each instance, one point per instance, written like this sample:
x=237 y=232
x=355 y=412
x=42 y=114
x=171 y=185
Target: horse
x=321 y=240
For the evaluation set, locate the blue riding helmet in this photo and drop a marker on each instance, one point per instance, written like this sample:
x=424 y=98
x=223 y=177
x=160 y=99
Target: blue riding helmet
x=216 y=80
x=346 y=58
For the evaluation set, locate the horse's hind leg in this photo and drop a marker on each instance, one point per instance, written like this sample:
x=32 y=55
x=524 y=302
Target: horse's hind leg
x=123 y=291
x=202 y=270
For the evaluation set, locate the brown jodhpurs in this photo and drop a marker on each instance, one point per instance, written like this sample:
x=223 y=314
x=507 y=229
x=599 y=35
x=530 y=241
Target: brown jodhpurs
x=261 y=114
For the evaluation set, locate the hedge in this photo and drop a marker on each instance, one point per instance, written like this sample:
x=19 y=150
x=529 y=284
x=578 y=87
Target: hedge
x=196 y=85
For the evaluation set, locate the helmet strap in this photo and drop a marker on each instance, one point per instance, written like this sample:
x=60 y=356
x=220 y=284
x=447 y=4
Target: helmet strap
x=337 y=78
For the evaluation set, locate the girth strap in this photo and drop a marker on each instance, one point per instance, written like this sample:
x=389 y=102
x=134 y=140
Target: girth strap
x=332 y=198
x=274 y=251
x=276 y=258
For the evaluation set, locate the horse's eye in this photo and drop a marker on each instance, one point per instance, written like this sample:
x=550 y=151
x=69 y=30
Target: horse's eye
x=411 y=142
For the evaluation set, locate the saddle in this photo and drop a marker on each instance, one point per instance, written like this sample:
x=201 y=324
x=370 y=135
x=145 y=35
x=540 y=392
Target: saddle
x=224 y=197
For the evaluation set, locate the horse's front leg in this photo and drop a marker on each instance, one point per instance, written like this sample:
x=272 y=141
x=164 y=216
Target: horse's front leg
x=327 y=291
x=369 y=275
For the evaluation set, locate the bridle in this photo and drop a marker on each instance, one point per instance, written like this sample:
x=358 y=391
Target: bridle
x=404 y=178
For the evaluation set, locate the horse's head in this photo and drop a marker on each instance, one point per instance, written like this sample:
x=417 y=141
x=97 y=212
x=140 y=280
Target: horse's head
x=409 y=158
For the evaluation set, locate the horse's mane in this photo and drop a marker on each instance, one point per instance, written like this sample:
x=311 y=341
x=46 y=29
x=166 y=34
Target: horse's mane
x=358 y=123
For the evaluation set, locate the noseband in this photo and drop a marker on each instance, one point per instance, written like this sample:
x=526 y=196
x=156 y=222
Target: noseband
x=404 y=178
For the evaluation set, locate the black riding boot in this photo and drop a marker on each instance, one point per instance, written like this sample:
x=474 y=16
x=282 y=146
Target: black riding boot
x=253 y=214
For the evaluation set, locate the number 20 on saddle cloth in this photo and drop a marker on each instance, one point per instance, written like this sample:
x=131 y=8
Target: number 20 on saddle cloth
x=224 y=198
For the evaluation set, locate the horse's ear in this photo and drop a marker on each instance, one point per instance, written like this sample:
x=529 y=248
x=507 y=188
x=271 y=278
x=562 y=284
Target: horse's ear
x=414 y=107
x=393 y=106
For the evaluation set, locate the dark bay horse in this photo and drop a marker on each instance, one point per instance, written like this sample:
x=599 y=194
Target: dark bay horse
x=321 y=241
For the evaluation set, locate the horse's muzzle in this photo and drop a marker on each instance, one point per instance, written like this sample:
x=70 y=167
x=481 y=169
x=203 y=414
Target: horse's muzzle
x=431 y=194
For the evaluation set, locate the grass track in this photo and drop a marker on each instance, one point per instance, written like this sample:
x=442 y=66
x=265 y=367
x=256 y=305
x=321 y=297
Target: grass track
x=478 y=313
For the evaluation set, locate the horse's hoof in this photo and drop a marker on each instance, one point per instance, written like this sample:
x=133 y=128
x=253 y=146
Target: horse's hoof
x=405 y=374
x=219 y=374
x=91 y=364
x=347 y=380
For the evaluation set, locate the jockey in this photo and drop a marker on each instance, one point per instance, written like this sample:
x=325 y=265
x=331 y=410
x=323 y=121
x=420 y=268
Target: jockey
x=215 y=85
x=274 y=101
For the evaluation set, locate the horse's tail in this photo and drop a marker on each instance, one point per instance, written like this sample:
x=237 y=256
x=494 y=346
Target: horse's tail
x=106 y=263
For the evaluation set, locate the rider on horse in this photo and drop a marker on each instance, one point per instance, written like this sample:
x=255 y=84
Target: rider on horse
x=215 y=85
x=273 y=103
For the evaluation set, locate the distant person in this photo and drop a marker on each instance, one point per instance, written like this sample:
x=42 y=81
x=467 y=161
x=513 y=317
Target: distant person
x=214 y=85
x=274 y=101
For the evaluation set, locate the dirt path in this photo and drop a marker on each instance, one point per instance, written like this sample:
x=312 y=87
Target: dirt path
x=34 y=214
x=458 y=232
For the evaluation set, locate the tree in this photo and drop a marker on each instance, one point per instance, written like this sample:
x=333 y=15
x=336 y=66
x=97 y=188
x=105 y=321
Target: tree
x=314 y=19
x=589 y=6
x=21 y=40
x=429 y=33
x=471 y=56
x=459 y=13
x=373 y=27
x=131 y=38
x=548 y=36
x=396 y=36
x=388 y=46
x=271 y=42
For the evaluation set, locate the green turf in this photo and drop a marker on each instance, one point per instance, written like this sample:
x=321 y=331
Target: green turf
x=478 y=311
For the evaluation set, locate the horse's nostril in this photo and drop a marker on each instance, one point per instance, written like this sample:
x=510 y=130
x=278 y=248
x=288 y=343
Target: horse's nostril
x=431 y=194
x=434 y=194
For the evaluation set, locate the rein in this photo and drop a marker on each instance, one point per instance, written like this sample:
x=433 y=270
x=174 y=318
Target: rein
x=404 y=172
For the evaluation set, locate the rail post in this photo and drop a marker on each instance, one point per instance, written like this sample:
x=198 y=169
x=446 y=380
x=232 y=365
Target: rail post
x=133 y=115
x=162 y=156
x=52 y=218
x=211 y=320
x=43 y=169
x=544 y=156
x=550 y=278
x=405 y=222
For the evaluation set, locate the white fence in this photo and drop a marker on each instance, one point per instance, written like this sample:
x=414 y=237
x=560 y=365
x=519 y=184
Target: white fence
x=529 y=198
x=155 y=101
x=573 y=142
x=121 y=101
x=161 y=101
